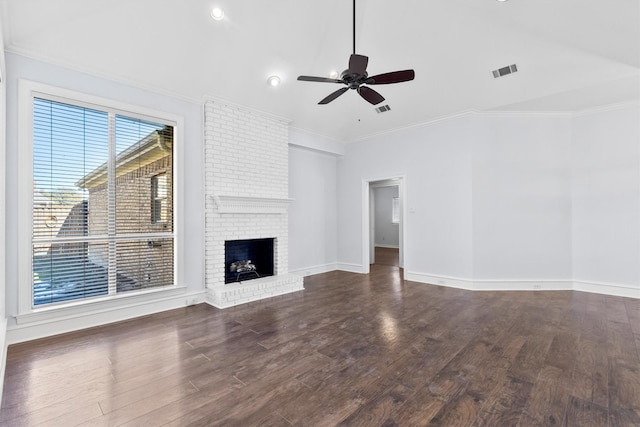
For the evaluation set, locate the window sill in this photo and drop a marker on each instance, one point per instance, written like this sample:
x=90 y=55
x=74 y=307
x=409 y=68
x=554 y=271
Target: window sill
x=99 y=305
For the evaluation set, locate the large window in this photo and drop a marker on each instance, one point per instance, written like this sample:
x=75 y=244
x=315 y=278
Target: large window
x=102 y=201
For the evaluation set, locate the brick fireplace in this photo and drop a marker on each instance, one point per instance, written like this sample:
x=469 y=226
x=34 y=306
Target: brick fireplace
x=246 y=189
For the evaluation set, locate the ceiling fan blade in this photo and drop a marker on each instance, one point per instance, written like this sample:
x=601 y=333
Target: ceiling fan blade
x=370 y=95
x=319 y=79
x=358 y=64
x=392 y=77
x=333 y=96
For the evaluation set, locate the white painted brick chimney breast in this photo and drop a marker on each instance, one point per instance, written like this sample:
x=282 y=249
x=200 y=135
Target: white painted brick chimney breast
x=247 y=159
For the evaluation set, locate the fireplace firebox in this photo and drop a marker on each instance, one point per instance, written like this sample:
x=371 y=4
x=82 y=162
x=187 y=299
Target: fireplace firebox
x=248 y=259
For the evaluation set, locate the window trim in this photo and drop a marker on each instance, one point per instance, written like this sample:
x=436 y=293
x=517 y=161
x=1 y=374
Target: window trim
x=27 y=91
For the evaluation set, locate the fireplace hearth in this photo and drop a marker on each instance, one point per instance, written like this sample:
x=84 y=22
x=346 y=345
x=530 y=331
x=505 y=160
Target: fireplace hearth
x=248 y=259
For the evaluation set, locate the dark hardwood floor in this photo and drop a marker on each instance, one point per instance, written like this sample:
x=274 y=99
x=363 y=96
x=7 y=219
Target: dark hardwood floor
x=387 y=256
x=349 y=350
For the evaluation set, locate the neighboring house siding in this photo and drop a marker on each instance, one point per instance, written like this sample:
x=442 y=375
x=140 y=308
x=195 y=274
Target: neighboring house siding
x=134 y=215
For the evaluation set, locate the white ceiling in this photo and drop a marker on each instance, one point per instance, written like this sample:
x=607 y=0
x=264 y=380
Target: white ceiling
x=571 y=54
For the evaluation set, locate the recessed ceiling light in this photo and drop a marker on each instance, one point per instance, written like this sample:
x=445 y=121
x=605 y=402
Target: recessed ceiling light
x=217 y=13
x=501 y=1
x=273 y=81
x=333 y=75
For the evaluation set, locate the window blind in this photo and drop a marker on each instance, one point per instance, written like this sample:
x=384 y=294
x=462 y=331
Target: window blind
x=93 y=203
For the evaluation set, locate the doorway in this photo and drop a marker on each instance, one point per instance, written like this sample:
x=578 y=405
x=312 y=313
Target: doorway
x=383 y=216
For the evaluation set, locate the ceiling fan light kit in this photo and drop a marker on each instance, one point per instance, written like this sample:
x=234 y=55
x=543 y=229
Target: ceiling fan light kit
x=356 y=77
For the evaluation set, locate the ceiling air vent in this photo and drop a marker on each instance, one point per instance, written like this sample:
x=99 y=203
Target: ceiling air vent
x=504 y=71
x=382 y=109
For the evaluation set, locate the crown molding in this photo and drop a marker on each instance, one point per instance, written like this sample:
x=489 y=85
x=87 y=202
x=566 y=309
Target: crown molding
x=15 y=50
x=498 y=114
x=429 y=122
x=464 y=114
x=607 y=108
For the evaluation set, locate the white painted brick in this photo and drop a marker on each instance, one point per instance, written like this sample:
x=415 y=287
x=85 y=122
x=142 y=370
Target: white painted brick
x=246 y=154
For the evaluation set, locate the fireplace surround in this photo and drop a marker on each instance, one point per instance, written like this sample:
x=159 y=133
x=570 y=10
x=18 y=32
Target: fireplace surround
x=246 y=199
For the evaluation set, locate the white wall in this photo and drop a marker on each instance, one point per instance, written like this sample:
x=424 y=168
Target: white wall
x=387 y=233
x=522 y=198
x=606 y=198
x=436 y=162
x=508 y=201
x=19 y=67
x=313 y=212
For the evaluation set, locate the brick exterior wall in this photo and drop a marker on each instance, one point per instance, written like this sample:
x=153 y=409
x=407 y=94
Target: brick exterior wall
x=246 y=155
x=141 y=261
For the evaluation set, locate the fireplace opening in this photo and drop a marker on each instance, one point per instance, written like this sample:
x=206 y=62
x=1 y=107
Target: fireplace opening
x=248 y=259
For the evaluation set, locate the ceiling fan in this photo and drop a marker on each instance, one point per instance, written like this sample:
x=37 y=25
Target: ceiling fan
x=356 y=77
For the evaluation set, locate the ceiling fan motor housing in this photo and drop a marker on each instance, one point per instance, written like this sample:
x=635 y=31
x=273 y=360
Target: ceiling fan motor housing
x=352 y=80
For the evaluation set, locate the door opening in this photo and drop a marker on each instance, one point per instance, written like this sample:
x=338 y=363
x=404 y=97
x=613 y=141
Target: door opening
x=383 y=216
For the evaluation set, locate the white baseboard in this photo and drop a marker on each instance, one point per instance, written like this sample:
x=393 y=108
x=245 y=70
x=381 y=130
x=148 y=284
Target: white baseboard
x=450 y=282
x=387 y=246
x=491 y=285
x=316 y=269
x=522 y=285
x=351 y=268
x=44 y=324
x=607 y=289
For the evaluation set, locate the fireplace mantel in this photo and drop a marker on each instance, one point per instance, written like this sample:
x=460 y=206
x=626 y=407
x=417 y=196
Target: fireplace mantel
x=241 y=204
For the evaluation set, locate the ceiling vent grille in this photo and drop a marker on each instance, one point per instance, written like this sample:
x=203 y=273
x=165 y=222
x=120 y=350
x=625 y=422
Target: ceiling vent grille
x=504 y=71
x=383 y=109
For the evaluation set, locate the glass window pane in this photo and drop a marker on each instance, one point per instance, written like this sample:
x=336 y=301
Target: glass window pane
x=144 y=154
x=68 y=271
x=143 y=264
x=69 y=143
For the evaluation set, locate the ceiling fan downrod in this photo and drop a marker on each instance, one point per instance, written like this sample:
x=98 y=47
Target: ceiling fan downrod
x=354 y=27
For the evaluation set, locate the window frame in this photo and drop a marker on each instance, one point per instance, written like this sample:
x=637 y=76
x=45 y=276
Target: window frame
x=395 y=210
x=28 y=90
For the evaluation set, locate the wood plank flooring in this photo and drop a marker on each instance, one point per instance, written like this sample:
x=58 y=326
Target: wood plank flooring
x=387 y=256
x=352 y=350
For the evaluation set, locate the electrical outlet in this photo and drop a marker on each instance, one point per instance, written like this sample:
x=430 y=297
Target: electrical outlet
x=537 y=286
x=440 y=282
